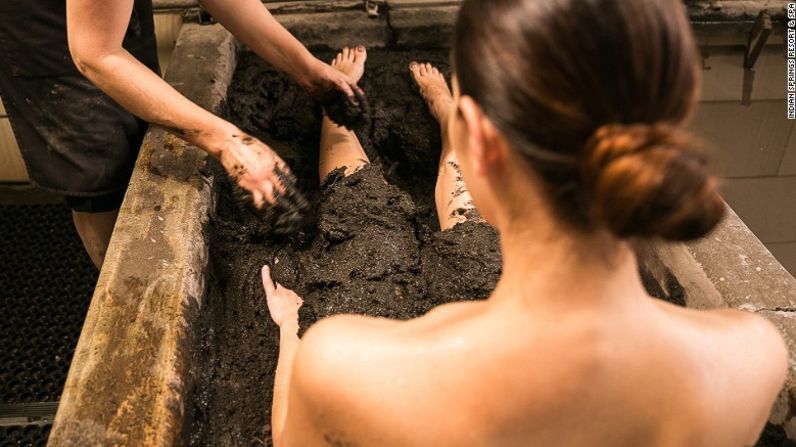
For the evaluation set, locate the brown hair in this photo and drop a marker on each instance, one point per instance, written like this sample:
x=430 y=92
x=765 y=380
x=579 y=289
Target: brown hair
x=593 y=93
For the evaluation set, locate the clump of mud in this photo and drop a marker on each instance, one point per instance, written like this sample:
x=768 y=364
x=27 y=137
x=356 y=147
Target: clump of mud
x=351 y=113
x=370 y=243
x=285 y=217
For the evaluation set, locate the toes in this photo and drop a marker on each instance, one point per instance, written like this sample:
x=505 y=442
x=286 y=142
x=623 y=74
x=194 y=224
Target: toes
x=346 y=53
x=414 y=68
x=361 y=54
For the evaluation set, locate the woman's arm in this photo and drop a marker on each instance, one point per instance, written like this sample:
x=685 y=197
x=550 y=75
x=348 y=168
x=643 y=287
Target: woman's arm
x=96 y=29
x=283 y=305
x=253 y=25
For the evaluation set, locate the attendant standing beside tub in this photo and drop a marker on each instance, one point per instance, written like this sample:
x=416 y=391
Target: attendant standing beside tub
x=80 y=81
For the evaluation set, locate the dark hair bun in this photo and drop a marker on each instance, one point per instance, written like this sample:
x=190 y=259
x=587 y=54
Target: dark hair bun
x=644 y=180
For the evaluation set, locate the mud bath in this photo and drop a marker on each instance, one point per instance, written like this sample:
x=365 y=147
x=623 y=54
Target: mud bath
x=369 y=246
x=370 y=243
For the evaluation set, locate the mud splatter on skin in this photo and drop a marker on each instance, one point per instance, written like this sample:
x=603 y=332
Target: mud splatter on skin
x=366 y=245
x=182 y=133
x=237 y=171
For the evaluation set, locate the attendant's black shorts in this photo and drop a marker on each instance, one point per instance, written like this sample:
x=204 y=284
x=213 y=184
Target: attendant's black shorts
x=76 y=141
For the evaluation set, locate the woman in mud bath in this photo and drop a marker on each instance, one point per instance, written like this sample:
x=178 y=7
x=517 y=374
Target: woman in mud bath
x=566 y=122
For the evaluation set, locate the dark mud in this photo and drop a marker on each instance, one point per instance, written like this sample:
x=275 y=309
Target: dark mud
x=369 y=245
x=351 y=113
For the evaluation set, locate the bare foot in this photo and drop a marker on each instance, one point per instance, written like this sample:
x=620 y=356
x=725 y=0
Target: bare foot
x=434 y=89
x=351 y=61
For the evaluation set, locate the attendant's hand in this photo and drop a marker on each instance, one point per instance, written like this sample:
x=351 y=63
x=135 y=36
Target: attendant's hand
x=283 y=304
x=323 y=78
x=256 y=168
x=342 y=99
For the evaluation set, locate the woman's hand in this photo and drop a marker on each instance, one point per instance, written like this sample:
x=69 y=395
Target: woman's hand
x=283 y=304
x=342 y=99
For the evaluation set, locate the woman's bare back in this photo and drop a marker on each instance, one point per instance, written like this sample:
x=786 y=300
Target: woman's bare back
x=487 y=373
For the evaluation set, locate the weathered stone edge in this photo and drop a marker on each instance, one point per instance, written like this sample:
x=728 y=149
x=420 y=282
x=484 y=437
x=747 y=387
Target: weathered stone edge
x=125 y=385
x=735 y=10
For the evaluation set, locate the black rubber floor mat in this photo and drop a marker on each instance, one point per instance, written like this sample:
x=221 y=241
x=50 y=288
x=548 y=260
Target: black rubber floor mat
x=28 y=436
x=46 y=284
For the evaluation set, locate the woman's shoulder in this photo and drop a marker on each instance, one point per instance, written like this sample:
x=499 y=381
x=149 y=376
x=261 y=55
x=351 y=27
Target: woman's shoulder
x=742 y=355
x=743 y=333
x=756 y=337
x=740 y=327
x=352 y=368
x=754 y=358
x=726 y=321
x=341 y=339
x=362 y=351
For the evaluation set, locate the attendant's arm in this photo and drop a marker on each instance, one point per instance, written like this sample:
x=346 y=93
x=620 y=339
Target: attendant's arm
x=96 y=29
x=283 y=305
x=253 y=25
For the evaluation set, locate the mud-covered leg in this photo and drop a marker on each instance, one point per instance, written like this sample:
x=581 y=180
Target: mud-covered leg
x=340 y=148
x=454 y=203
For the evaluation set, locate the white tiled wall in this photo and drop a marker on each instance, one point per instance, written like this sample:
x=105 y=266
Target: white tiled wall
x=767 y=206
x=785 y=252
x=754 y=145
x=747 y=141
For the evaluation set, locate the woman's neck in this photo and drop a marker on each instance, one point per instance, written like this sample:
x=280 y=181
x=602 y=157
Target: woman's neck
x=554 y=268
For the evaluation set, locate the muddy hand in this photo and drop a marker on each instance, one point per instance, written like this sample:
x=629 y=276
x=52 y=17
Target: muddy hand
x=344 y=102
x=283 y=304
x=258 y=170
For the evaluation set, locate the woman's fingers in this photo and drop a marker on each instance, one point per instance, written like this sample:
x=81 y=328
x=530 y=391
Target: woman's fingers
x=268 y=283
x=296 y=299
x=289 y=293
